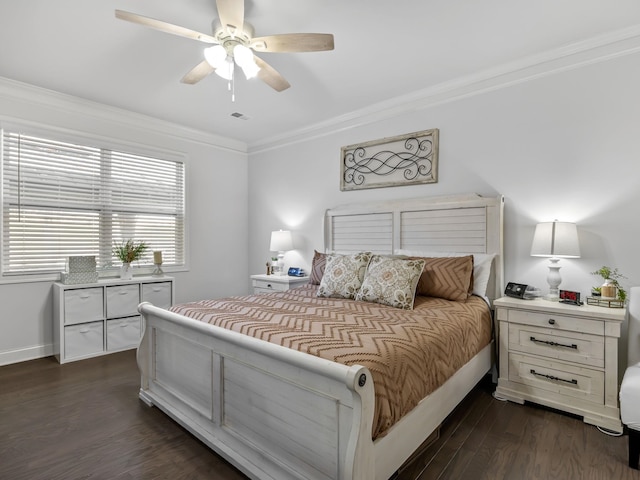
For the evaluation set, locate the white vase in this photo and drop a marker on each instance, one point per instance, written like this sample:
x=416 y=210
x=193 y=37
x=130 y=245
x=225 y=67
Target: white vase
x=126 y=271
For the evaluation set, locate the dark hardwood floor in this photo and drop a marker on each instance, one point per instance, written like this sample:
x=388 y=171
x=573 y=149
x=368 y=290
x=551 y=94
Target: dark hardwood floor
x=83 y=420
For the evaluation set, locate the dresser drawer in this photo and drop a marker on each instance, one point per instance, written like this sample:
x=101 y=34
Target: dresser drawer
x=555 y=321
x=265 y=286
x=157 y=293
x=123 y=333
x=122 y=300
x=556 y=380
x=83 y=340
x=564 y=345
x=83 y=305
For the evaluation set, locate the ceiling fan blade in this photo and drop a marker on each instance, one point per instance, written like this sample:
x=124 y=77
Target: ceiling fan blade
x=270 y=76
x=197 y=73
x=293 y=42
x=165 y=27
x=231 y=13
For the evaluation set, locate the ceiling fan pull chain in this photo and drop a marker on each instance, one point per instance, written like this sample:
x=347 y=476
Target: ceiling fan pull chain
x=233 y=83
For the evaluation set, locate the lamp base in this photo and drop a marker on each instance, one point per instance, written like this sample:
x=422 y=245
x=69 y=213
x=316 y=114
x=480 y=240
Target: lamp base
x=554 y=280
x=157 y=272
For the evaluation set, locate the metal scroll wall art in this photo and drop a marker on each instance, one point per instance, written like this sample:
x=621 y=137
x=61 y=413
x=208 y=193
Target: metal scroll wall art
x=403 y=160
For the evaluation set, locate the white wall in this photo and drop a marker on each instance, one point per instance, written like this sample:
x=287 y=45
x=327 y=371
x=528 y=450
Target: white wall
x=563 y=146
x=216 y=209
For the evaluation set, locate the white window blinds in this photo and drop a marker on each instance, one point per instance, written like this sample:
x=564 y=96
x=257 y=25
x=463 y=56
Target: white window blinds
x=61 y=199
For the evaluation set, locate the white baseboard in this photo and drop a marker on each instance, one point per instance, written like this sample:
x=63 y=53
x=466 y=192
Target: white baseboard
x=24 y=354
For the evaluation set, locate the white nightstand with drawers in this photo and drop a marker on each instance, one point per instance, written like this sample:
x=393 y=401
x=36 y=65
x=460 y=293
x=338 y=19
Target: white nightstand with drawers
x=99 y=318
x=561 y=356
x=276 y=283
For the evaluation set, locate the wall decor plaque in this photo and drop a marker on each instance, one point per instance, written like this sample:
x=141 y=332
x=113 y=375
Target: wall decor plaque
x=393 y=161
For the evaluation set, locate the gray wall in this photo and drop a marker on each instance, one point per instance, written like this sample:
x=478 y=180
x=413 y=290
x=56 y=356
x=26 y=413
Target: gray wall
x=563 y=146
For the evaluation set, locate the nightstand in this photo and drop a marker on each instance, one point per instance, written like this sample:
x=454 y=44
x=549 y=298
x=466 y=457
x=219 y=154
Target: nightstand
x=561 y=356
x=276 y=283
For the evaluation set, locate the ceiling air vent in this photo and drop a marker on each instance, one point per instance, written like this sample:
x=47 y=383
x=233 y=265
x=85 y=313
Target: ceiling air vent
x=240 y=115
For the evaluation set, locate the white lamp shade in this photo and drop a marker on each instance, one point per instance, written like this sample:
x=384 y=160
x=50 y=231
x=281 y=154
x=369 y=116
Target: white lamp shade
x=556 y=239
x=281 y=241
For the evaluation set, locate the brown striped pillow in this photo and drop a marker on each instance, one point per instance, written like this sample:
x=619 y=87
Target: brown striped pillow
x=317 y=267
x=446 y=277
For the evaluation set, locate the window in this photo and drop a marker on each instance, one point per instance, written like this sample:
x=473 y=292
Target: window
x=68 y=198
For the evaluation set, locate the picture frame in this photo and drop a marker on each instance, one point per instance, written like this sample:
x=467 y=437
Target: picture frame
x=409 y=159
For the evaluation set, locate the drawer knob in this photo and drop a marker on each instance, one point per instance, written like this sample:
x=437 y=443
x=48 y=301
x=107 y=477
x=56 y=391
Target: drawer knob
x=269 y=285
x=552 y=321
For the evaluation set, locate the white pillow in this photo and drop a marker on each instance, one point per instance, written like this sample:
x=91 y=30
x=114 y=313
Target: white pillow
x=481 y=266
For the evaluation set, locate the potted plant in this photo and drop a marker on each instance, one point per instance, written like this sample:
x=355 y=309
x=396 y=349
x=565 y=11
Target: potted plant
x=611 y=279
x=128 y=251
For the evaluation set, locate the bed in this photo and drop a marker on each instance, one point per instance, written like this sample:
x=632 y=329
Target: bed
x=276 y=412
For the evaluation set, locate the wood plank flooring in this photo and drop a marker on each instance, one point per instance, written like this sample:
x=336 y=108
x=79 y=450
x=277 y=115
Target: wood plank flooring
x=83 y=420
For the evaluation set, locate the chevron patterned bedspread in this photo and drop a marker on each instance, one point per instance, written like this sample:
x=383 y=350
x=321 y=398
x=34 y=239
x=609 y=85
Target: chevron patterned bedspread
x=410 y=353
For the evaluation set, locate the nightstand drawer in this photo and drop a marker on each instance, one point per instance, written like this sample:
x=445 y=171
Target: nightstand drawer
x=554 y=379
x=556 y=322
x=266 y=286
x=560 y=344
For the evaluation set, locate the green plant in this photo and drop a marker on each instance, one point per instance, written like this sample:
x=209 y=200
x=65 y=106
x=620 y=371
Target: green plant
x=613 y=276
x=129 y=251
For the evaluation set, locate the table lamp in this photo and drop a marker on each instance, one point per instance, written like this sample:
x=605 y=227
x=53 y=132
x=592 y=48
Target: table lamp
x=281 y=241
x=555 y=240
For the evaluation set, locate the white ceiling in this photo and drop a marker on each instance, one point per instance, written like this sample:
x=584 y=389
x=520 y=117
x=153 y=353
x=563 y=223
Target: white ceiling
x=383 y=50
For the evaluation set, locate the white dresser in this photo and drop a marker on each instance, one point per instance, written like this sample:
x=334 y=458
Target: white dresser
x=561 y=356
x=100 y=318
x=276 y=283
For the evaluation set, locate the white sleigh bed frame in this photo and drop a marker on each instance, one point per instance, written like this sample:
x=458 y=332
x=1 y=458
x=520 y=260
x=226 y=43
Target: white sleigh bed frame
x=277 y=413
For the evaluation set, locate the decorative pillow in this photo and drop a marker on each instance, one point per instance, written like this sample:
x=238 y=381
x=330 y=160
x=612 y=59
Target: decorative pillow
x=343 y=275
x=391 y=281
x=446 y=277
x=481 y=266
x=317 y=267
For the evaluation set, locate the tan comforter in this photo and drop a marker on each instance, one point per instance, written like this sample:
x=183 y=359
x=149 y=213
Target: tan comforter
x=410 y=353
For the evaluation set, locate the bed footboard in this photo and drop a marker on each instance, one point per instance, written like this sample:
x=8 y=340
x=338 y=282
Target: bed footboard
x=272 y=412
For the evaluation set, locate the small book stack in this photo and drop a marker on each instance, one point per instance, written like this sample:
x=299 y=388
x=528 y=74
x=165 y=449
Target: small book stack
x=80 y=269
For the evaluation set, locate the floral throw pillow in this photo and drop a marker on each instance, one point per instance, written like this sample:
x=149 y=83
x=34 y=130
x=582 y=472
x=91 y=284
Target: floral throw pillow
x=391 y=281
x=343 y=275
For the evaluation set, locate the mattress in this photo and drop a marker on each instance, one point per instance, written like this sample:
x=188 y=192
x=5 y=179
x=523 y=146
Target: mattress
x=410 y=353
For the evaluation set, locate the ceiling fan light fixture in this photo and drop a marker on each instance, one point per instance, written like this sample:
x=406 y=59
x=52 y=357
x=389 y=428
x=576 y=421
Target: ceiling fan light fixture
x=225 y=70
x=216 y=56
x=244 y=58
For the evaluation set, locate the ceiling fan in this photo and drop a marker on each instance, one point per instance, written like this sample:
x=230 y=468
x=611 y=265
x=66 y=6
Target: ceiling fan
x=233 y=43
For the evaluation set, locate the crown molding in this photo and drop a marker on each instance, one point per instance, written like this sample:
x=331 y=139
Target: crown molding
x=43 y=98
x=572 y=56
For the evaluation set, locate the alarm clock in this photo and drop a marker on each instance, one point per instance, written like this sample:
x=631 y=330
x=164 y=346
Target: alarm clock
x=295 y=272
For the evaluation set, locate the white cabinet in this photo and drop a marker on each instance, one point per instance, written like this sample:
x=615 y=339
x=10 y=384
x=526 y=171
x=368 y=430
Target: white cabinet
x=561 y=356
x=99 y=318
x=276 y=283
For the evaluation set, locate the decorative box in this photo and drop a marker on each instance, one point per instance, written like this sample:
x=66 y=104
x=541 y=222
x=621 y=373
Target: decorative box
x=82 y=264
x=74 y=278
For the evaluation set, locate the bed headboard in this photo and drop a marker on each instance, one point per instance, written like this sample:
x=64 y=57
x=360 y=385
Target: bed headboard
x=460 y=224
